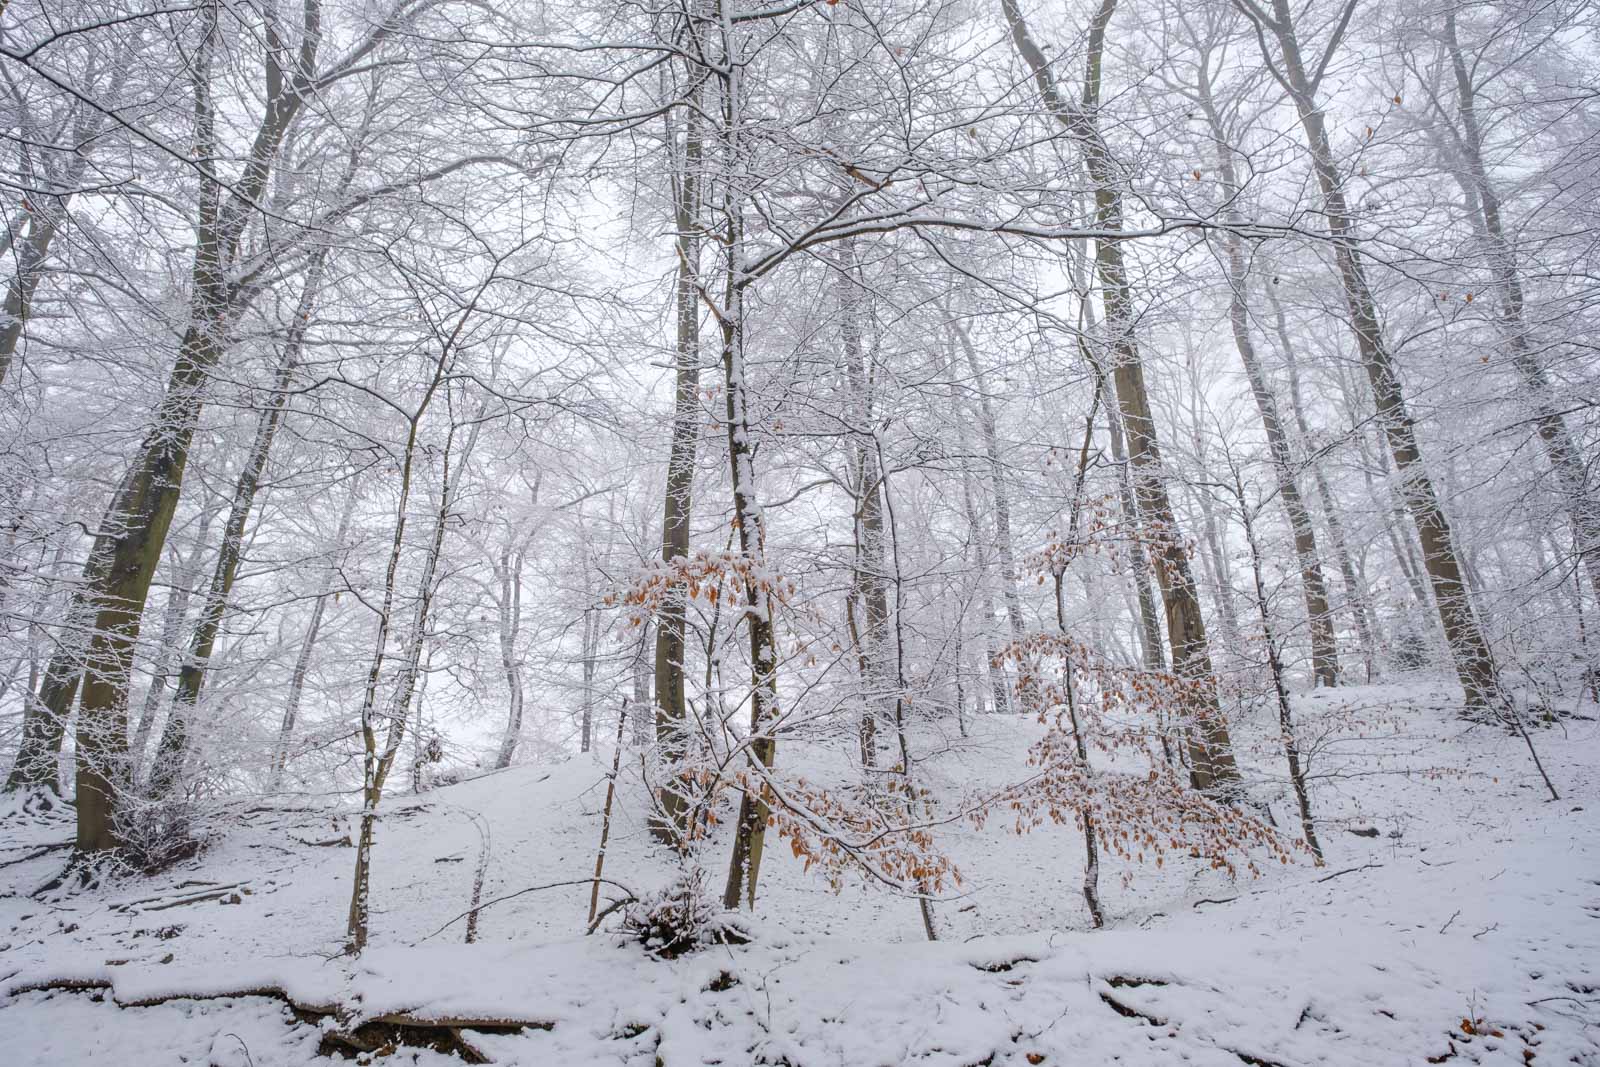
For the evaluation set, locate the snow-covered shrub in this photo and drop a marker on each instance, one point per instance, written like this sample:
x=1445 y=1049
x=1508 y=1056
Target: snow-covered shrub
x=157 y=833
x=681 y=917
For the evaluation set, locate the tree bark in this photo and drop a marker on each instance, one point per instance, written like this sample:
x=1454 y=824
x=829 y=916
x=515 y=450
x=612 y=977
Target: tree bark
x=671 y=701
x=1355 y=588
x=1324 y=649
x=173 y=751
x=868 y=586
x=167 y=656
x=1566 y=460
x=308 y=645
x=1474 y=659
x=1213 y=765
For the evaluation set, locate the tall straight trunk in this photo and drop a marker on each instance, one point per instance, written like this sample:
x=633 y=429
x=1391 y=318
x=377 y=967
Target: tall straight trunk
x=1214 y=562
x=898 y=707
x=981 y=545
x=1324 y=650
x=308 y=644
x=508 y=570
x=869 y=588
x=991 y=651
x=1355 y=588
x=1391 y=508
x=638 y=711
x=1474 y=659
x=1152 y=649
x=1211 y=750
x=1566 y=459
x=671 y=702
x=172 y=753
x=591 y=653
x=750 y=829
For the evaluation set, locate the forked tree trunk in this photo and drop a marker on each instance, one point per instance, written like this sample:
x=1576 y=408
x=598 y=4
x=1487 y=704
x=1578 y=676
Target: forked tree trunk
x=508 y=570
x=1474 y=659
x=129 y=541
x=378 y=762
x=1213 y=765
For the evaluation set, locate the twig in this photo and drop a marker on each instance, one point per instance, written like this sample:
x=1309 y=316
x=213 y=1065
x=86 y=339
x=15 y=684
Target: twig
x=1348 y=870
x=620 y=902
x=1448 y=921
x=518 y=893
x=605 y=819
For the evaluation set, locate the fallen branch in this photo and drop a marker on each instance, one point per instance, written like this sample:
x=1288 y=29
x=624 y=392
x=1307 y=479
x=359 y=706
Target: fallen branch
x=361 y=1034
x=518 y=893
x=1269 y=889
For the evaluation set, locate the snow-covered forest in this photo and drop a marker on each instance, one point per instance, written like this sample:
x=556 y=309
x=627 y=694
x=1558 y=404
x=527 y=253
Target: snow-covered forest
x=800 y=532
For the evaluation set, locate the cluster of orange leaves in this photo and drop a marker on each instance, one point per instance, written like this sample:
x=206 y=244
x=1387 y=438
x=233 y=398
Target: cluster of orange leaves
x=840 y=830
x=707 y=576
x=1121 y=711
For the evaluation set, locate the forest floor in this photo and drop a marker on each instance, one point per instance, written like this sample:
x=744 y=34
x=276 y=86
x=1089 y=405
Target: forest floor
x=1457 y=920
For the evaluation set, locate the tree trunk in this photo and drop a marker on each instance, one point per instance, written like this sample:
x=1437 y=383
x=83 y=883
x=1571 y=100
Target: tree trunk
x=1473 y=658
x=750 y=829
x=988 y=426
x=1211 y=751
x=1324 y=650
x=171 y=755
x=868 y=586
x=1291 y=746
x=1355 y=588
x=1566 y=460
x=167 y=655
x=591 y=651
x=308 y=646
x=509 y=571
x=671 y=702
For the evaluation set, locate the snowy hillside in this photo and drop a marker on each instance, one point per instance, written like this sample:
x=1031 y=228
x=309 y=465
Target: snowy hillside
x=1456 y=920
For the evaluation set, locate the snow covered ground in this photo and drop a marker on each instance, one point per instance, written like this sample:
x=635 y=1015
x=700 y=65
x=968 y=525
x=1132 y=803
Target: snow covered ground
x=1466 y=930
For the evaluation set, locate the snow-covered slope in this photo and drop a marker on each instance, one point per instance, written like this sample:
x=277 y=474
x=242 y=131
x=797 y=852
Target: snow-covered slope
x=1468 y=928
